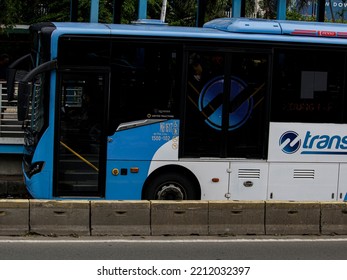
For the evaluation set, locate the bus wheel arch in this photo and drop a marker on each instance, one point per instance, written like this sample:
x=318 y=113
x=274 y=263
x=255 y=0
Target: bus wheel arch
x=171 y=182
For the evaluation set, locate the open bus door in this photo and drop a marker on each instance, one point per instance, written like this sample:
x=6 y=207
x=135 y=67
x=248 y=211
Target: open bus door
x=80 y=153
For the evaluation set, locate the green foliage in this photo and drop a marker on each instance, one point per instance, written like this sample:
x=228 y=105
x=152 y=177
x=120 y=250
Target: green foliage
x=269 y=8
x=295 y=15
x=8 y=13
x=181 y=12
x=32 y=11
x=129 y=11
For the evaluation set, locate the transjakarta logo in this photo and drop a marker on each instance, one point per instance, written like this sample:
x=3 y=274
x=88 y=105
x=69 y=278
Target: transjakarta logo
x=290 y=142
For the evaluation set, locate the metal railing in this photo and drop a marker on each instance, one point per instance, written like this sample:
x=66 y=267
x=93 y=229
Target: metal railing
x=10 y=128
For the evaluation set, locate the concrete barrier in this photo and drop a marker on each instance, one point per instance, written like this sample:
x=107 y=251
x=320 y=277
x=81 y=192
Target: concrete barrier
x=60 y=217
x=82 y=217
x=286 y=218
x=179 y=217
x=120 y=218
x=14 y=216
x=11 y=176
x=236 y=217
x=334 y=218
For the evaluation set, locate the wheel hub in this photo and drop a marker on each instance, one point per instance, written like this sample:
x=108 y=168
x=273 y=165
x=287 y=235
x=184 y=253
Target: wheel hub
x=170 y=192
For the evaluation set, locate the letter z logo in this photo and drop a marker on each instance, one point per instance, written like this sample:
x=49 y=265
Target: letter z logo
x=290 y=142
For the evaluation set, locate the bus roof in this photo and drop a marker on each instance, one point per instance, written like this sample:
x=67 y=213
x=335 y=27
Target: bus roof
x=280 y=27
x=224 y=28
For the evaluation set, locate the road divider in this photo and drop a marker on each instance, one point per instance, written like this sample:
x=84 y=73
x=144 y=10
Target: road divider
x=14 y=216
x=334 y=218
x=236 y=218
x=57 y=217
x=120 y=217
x=145 y=218
x=179 y=217
x=283 y=218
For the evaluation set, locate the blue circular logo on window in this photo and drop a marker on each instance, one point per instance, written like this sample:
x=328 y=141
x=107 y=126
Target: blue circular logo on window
x=211 y=103
x=289 y=142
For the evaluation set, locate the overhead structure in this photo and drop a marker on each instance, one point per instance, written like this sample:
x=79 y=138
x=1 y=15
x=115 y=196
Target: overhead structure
x=94 y=11
x=281 y=9
x=74 y=10
x=321 y=10
x=117 y=10
x=238 y=10
x=142 y=12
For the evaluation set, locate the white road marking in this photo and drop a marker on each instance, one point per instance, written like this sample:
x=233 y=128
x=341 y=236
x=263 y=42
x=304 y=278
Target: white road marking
x=237 y=240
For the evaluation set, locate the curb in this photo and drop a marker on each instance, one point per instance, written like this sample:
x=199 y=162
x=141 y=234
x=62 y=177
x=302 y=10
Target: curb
x=154 y=218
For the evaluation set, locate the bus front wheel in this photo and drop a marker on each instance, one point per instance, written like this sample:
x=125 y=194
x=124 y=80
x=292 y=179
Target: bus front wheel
x=170 y=187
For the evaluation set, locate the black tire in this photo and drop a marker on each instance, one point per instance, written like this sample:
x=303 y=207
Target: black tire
x=170 y=186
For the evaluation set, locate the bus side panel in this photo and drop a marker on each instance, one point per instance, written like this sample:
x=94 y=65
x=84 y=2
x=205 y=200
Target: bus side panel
x=141 y=142
x=248 y=180
x=303 y=181
x=221 y=179
x=212 y=175
x=129 y=155
x=342 y=187
x=121 y=180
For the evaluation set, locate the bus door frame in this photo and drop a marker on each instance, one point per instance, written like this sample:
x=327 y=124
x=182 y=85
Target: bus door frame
x=74 y=70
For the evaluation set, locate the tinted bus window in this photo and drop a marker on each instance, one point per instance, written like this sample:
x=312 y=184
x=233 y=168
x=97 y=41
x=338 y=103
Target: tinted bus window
x=204 y=104
x=225 y=104
x=247 y=106
x=145 y=82
x=308 y=86
x=83 y=51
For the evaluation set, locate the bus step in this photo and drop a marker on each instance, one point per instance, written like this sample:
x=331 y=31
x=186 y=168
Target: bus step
x=75 y=187
x=79 y=176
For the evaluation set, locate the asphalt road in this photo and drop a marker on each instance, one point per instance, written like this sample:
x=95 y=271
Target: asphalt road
x=174 y=248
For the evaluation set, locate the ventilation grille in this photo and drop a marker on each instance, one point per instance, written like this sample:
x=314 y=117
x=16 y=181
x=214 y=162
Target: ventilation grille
x=303 y=174
x=249 y=174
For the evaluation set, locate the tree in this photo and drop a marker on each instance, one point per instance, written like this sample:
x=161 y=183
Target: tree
x=8 y=13
x=33 y=11
x=269 y=8
x=179 y=12
x=47 y=10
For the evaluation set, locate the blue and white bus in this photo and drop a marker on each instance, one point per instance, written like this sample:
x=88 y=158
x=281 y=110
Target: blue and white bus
x=241 y=109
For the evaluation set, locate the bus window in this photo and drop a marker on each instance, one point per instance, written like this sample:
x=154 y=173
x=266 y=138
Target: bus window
x=308 y=86
x=145 y=82
x=204 y=98
x=247 y=106
x=225 y=119
x=83 y=52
